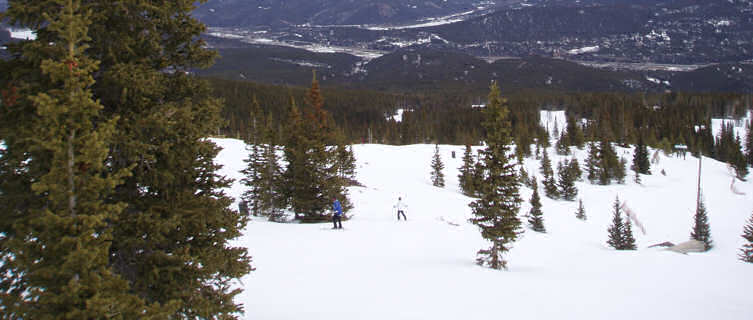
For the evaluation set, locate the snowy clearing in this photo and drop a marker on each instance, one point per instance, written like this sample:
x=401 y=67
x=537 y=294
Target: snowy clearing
x=423 y=268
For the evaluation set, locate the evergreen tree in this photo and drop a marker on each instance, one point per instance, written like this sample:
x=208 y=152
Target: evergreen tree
x=496 y=212
x=575 y=135
x=641 y=163
x=749 y=143
x=581 y=213
x=311 y=177
x=466 y=172
x=54 y=183
x=627 y=236
x=746 y=253
x=592 y=163
x=566 y=183
x=561 y=146
x=701 y=229
x=550 y=183
x=608 y=163
x=524 y=178
x=619 y=171
x=262 y=176
x=535 y=216
x=437 y=177
x=574 y=168
x=617 y=229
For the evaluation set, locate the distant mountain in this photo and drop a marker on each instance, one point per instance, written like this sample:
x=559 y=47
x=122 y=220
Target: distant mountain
x=427 y=69
x=244 y=13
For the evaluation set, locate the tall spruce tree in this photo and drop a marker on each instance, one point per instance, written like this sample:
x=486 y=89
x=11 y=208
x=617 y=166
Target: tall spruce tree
x=608 y=163
x=617 y=229
x=171 y=240
x=561 y=146
x=466 y=172
x=627 y=236
x=550 y=182
x=262 y=176
x=581 y=213
x=535 y=216
x=496 y=212
x=437 y=177
x=620 y=171
x=55 y=182
x=746 y=252
x=592 y=163
x=749 y=143
x=566 y=183
x=311 y=177
x=575 y=170
x=701 y=228
x=641 y=163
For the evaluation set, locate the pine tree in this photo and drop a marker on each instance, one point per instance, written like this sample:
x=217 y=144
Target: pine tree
x=641 y=163
x=749 y=143
x=550 y=183
x=746 y=252
x=466 y=172
x=617 y=229
x=496 y=212
x=575 y=171
x=561 y=146
x=535 y=216
x=437 y=177
x=619 y=171
x=311 y=177
x=701 y=229
x=627 y=236
x=262 y=176
x=524 y=178
x=581 y=213
x=56 y=232
x=566 y=182
x=575 y=135
x=592 y=163
x=608 y=163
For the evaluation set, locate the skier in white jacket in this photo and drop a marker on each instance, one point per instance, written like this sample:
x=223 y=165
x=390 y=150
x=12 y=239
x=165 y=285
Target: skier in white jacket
x=400 y=206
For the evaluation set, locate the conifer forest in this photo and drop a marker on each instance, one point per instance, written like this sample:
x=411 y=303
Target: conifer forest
x=136 y=182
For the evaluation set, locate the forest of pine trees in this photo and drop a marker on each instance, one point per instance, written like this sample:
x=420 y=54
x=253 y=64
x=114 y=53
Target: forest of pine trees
x=107 y=167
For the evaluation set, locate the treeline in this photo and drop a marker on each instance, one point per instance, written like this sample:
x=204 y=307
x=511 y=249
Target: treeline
x=447 y=117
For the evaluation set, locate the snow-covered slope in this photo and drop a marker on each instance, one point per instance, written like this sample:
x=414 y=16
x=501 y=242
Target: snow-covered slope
x=379 y=268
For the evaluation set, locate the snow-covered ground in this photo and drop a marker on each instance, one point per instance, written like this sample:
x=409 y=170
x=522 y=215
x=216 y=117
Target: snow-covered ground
x=738 y=125
x=379 y=268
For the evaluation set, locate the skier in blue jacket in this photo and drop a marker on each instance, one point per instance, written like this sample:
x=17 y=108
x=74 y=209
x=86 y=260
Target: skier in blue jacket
x=337 y=217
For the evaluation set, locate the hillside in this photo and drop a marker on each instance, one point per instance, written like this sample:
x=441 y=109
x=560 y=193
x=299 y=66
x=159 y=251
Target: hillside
x=380 y=268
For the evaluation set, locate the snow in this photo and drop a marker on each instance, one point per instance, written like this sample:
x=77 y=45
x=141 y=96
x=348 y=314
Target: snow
x=398 y=116
x=553 y=119
x=23 y=34
x=737 y=124
x=584 y=50
x=423 y=268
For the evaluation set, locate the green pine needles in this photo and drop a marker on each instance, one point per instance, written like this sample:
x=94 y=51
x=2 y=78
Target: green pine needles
x=746 y=252
x=496 y=212
x=109 y=198
x=437 y=177
x=620 y=232
x=701 y=229
x=535 y=216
